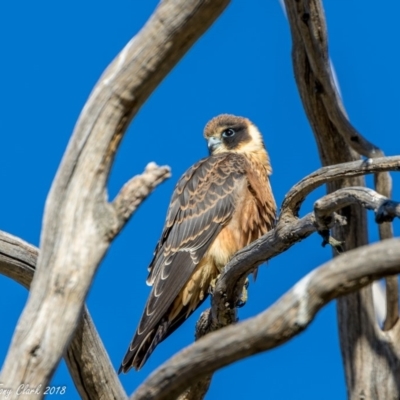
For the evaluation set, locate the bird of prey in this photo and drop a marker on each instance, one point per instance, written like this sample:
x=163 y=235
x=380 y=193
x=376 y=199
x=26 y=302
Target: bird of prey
x=220 y=205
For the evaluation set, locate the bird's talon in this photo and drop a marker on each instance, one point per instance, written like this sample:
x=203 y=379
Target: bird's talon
x=244 y=295
x=211 y=288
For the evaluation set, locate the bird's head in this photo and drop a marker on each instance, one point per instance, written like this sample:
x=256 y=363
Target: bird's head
x=234 y=134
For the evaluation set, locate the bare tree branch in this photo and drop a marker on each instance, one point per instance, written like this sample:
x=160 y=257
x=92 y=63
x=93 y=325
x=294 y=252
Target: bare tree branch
x=79 y=223
x=291 y=314
x=385 y=209
x=86 y=357
x=314 y=36
x=137 y=189
x=339 y=142
x=312 y=31
x=89 y=365
x=198 y=390
x=296 y=195
x=17 y=259
x=290 y=229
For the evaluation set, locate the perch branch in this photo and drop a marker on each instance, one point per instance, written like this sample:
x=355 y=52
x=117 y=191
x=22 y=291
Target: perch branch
x=79 y=222
x=286 y=234
x=290 y=315
x=86 y=357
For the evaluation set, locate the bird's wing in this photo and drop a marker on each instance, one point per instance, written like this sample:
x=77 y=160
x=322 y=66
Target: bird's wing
x=202 y=203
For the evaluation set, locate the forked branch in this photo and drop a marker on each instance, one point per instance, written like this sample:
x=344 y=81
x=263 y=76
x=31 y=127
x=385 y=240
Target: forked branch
x=290 y=229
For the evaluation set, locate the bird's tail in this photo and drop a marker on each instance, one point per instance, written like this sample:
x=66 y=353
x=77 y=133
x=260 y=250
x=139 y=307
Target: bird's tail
x=142 y=347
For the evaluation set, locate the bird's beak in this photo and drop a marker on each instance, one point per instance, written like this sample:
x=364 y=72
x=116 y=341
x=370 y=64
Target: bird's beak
x=212 y=143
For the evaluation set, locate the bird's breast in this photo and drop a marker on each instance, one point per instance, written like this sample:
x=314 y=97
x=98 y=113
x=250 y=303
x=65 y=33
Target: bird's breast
x=253 y=217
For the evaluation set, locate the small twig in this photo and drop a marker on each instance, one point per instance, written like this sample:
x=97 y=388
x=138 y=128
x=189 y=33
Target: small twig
x=385 y=209
x=329 y=240
x=136 y=190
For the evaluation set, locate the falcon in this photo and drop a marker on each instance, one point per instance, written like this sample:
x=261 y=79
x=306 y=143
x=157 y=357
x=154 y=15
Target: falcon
x=220 y=205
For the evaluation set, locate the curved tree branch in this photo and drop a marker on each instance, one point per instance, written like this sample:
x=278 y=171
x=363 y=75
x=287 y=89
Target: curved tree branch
x=385 y=209
x=313 y=34
x=79 y=223
x=291 y=314
x=296 y=195
x=338 y=141
x=290 y=229
x=86 y=357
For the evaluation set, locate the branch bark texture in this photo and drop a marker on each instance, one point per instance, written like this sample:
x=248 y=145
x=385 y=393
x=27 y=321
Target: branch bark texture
x=290 y=229
x=338 y=141
x=86 y=358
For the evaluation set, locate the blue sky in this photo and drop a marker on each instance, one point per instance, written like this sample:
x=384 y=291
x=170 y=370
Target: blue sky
x=52 y=55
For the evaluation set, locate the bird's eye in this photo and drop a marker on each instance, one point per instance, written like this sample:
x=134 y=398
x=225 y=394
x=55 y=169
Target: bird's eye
x=228 y=133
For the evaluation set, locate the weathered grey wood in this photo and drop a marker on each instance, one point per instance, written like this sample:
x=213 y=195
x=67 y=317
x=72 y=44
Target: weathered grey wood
x=87 y=360
x=385 y=209
x=338 y=141
x=290 y=315
x=330 y=174
x=79 y=223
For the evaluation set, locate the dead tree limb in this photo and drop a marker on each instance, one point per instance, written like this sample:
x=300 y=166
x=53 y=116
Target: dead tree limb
x=385 y=209
x=290 y=229
x=86 y=357
x=79 y=223
x=290 y=315
x=296 y=195
x=338 y=141
x=314 y=37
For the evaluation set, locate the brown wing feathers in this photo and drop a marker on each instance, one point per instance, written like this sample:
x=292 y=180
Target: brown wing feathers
x=203 y=201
